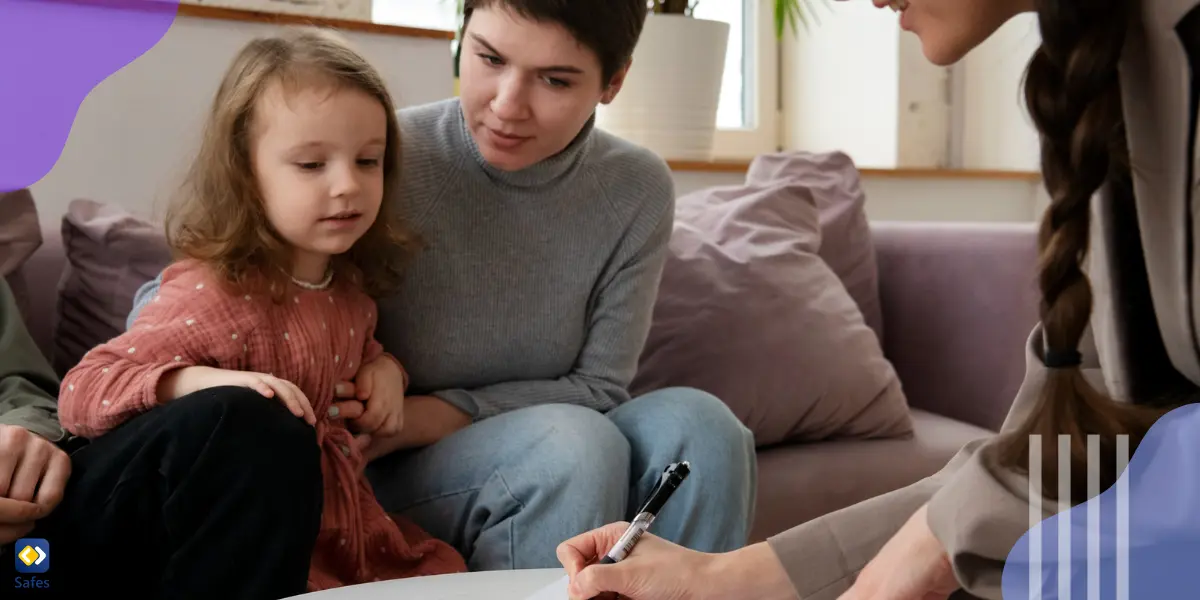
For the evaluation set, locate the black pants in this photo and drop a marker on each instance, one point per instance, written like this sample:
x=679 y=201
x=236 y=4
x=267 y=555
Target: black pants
x=216 y=495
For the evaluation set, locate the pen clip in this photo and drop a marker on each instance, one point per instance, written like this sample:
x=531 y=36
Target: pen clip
x=662 y=480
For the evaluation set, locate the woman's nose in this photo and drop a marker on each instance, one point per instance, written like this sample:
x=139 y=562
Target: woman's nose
x=511 y=103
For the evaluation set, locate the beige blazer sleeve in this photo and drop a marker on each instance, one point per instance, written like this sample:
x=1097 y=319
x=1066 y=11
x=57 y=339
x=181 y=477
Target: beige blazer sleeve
x=976 y=509
x=823 y=556
x=981 y=512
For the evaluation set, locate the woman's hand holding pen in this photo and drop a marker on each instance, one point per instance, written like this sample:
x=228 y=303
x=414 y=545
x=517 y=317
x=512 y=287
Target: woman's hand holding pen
x=660 y=570
x=655 y=569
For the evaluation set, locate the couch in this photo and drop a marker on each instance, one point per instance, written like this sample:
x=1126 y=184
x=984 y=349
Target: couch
x=958 y=301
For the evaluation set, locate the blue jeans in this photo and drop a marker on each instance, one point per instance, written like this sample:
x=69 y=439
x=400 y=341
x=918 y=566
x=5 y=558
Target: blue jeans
x=507 y=490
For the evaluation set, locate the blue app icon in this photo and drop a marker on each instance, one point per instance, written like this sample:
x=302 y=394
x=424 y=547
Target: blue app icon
x=32 y=555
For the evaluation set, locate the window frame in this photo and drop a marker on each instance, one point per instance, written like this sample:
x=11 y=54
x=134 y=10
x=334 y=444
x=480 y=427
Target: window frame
x=760 y=89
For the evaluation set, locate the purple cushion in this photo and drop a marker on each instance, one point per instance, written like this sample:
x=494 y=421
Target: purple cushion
x=110 y=253
x=751 y=310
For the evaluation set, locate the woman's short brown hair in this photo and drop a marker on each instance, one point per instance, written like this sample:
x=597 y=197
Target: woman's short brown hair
x=218 y=217
x=610 y=28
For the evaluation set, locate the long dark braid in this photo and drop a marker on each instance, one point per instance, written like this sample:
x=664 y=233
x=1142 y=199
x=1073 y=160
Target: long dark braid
x=1073 y=95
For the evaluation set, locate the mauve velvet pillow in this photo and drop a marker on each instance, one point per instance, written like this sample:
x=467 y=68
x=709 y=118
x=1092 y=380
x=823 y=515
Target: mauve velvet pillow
x=749 y=311
x=845 y=244
x=110 y=253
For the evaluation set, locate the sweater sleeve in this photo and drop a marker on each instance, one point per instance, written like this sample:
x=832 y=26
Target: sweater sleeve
x=27 y=383
x=617 y=330
x=143 y=295
x=187 y=322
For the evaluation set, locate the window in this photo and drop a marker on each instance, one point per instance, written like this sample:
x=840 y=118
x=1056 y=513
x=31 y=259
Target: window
x=747 y=118
x=426 y=14
x=747 y=115
x=731 y=112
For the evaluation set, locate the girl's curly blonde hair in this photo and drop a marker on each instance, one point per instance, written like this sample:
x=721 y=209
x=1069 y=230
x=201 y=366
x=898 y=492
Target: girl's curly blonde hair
x=218 y=217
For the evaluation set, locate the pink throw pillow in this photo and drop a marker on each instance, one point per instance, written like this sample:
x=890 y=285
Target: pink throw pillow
x=110 y=253
x=749 y=311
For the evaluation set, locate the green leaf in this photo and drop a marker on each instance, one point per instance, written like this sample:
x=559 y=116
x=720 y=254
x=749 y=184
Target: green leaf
x=791 y=14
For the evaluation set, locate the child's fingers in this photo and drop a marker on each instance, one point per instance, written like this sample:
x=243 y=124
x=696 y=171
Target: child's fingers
x=310 y=415
x=302 y=401
x=285 y=395
x=364 y=385
x=376 y=414
x=261 y=387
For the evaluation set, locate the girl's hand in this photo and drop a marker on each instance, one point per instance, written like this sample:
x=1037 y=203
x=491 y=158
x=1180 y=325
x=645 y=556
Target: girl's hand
x=380 y=386
x=913 y=565
x=181 y=382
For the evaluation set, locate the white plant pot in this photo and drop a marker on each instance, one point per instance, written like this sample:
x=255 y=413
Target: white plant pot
x=669 y=100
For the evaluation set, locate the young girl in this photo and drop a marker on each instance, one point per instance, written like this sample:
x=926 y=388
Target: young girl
x=283 y=238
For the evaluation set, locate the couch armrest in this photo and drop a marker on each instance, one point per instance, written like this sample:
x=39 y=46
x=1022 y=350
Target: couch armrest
x=959 y=301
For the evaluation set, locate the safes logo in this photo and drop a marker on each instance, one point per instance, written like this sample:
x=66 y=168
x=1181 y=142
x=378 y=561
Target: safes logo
x=33 y=555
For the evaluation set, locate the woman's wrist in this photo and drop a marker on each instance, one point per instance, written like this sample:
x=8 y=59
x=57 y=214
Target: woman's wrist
x=753 y=572
x=429 y=419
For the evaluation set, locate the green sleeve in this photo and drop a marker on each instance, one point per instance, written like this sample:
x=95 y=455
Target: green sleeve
x=28 y=385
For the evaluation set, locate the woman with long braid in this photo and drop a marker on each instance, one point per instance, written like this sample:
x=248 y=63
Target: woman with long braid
x=1113 y=93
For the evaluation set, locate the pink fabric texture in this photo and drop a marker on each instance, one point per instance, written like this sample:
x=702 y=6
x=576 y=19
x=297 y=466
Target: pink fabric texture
x=313 y=339
x=749 y=311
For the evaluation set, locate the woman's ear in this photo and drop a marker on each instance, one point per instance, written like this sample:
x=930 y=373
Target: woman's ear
x=614 y=84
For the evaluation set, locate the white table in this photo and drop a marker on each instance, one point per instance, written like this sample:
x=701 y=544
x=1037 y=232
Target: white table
x=493 y=585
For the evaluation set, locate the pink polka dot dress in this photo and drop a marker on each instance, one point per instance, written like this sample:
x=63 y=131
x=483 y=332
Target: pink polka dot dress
x=314 y=339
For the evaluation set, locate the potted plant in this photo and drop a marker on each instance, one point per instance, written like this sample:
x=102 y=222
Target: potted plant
x=669 y=100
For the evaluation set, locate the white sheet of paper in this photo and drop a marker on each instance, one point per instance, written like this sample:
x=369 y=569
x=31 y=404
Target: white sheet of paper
x=554 y=591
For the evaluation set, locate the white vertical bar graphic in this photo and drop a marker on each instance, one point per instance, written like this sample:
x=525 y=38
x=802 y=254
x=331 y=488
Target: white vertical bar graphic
x=1064 y=517
x=1035 y=517
x=1093 y=517
x=1122 y=518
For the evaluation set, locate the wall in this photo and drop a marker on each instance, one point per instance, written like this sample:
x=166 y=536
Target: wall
x=136 y=130
x=854 y=81
x=839 y=87
x=997 y=132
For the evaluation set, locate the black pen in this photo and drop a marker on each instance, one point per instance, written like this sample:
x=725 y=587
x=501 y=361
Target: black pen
x=671 y=478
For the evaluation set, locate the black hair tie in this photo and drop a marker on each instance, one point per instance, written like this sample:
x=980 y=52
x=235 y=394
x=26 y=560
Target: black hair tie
x=1063 y=359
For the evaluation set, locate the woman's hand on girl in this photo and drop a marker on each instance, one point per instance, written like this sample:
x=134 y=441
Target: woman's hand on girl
x=380 y=386
x=188 y=380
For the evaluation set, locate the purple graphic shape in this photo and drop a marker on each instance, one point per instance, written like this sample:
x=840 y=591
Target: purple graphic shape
x=52 y=53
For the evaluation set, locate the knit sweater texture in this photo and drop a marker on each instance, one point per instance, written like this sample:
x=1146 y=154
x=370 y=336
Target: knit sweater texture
x=313 y=339
x=535 y=286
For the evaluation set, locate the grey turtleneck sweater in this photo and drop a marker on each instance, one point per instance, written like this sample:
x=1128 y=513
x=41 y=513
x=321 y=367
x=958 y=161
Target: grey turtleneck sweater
x=535 y=286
